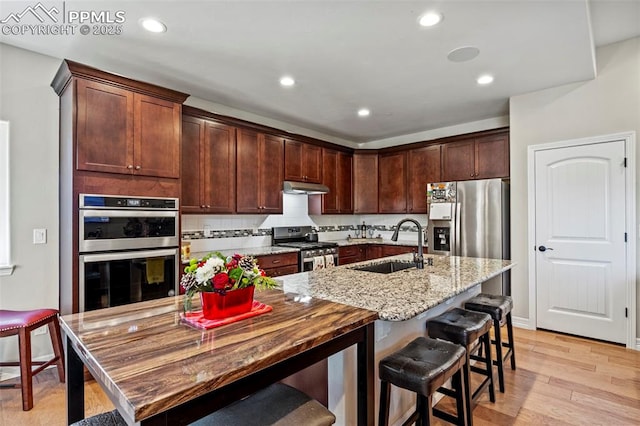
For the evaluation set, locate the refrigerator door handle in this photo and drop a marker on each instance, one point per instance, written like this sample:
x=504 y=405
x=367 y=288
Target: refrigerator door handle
x=456 y=232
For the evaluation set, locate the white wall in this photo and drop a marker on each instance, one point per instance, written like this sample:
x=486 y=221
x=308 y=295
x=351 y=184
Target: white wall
x=608 y=104
x=31 y=106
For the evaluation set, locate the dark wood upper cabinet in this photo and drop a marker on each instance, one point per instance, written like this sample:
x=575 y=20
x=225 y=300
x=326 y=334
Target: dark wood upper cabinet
x=259 y=172
x=458 y=161
x=208 y=166
x=365 y=183
x=392 y=183
x=330 y=179
x=192 y=165
x=479 y=158
x=156 y=137
x=424 y=167
x=345 y=182
x=248 y=171
x=492 y=156
x=271 y=174
x=302 y=162
x=337 y=175
x=120 y=131
x=104 y=128
x=220 y=168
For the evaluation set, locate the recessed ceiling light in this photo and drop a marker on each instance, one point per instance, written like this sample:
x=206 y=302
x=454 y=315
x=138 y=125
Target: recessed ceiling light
x=463 y=54
x=153 y=25
x=363 y=112
x=430 y=19
x=287 y=81
x=485 y=79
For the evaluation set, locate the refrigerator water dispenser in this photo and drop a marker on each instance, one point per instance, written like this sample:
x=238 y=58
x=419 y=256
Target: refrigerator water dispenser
x=442 y=238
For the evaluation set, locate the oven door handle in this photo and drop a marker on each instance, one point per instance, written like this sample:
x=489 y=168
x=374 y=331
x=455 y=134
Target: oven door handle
x=105 y=257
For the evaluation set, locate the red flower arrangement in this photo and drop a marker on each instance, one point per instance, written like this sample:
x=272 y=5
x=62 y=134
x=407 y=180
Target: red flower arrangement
x=220 y=274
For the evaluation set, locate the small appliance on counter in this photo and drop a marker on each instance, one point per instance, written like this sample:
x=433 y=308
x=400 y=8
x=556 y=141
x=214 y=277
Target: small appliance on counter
x=311 y=252
x=471 y=218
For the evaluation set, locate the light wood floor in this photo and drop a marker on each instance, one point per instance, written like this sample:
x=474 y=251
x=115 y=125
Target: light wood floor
x=560 y=380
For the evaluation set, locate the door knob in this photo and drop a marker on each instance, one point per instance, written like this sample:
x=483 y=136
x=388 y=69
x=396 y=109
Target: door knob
x=543 y=248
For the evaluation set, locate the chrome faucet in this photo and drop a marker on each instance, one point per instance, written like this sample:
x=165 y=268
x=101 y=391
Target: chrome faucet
x=418 y=257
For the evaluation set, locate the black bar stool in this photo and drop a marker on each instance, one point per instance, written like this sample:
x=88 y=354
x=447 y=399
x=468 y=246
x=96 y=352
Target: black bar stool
x=471 y=330
x=499 y=308
x=278 y=404
x=423 y=366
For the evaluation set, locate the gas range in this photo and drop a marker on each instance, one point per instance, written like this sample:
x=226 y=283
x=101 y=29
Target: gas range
x=296 y=237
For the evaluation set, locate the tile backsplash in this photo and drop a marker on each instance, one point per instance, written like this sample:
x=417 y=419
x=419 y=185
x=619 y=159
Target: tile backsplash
x=219 y=232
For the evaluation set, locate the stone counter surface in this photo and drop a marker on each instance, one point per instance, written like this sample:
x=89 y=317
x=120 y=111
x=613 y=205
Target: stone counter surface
x=252 y=251
x=398 y=296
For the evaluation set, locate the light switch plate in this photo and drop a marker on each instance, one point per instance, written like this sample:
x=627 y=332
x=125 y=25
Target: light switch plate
x=40 y=236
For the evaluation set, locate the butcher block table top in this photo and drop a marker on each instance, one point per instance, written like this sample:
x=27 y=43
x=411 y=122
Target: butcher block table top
x=156 y=369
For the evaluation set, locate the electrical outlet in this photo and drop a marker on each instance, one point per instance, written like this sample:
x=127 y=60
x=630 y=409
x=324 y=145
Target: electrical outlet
x=40 y=236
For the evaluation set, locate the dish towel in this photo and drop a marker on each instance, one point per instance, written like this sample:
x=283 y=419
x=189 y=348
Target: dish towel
x=155 y=271
x=328 y=261
x=318 y=262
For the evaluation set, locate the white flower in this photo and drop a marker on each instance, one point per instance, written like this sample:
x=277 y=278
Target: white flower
x=211 y=267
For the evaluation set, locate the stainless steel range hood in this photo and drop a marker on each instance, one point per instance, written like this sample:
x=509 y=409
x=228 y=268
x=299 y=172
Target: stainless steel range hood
x=291 y=187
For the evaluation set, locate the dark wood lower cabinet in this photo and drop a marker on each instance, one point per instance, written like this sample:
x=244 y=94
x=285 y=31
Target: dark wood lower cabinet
x=392 y=250
x=352 y=254
x=362 y=252
x=374 y=252
x=276 y=265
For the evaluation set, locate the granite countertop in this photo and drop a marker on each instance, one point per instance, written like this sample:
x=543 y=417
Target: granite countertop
x=250 y=251
x=400 y=295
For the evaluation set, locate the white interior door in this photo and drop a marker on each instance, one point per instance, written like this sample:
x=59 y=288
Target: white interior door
x=580 y=240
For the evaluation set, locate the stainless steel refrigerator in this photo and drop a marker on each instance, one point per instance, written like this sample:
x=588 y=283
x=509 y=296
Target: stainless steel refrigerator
x=471 y=218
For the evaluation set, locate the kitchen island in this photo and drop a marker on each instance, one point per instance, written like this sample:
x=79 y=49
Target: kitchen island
x=156 y=368
x=403 y=301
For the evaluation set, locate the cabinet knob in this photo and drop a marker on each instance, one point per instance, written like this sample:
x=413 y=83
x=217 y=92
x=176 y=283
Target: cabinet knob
x=138 y=167
x=202 y=206
x=208 y=206
x=130 y=166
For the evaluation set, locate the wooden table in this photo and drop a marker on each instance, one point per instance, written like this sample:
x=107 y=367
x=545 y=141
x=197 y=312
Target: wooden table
x=158 y=370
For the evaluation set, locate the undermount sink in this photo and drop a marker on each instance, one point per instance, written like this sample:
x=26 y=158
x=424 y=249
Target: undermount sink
x=386 y=267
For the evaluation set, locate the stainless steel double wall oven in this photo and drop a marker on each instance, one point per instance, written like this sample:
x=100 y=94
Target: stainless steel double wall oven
x=129 y=249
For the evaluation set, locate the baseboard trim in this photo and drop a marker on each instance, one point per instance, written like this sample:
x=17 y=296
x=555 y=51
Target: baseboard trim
x=521 y=322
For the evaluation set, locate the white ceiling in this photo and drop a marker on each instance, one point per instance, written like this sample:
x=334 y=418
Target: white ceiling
x=350 y=54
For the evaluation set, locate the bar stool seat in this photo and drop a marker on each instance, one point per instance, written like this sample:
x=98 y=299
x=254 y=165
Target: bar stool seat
x=499 y=308
x=111 y=418
x=471 y=330
x=22 y=323
x=278 y=404
x=423 y=366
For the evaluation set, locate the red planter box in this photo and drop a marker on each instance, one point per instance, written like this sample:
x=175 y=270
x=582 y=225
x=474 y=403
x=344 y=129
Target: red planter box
x=236 y=302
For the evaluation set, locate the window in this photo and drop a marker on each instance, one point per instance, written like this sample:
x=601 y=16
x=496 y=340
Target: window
x=5 y=267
